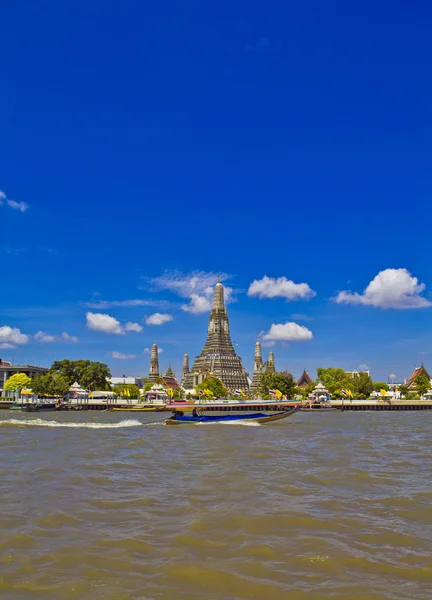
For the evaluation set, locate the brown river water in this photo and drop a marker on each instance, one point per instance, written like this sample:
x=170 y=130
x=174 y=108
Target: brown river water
x=119 y=506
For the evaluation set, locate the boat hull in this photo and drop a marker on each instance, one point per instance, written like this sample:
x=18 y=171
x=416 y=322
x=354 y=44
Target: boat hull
x=253 y=417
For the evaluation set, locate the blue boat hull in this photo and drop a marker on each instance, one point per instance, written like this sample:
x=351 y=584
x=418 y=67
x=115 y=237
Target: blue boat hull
x=256 y=417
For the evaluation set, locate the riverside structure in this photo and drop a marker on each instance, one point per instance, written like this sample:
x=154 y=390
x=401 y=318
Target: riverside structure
x=218 y=357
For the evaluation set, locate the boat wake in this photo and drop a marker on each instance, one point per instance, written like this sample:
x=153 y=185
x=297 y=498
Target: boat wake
x=43 y=423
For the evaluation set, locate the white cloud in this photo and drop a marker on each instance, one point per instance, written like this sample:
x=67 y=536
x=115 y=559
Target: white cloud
x=133 y=327
x=69 y=338
x=104 y=323
x=43 y=336
x=197 y=286
x=287 y=332
x=198 y=305
x=103 y=304
x=270 y=287
x=121 y=356
x=158 y=319
x=148 y=350
x=12 y=335
x=391 y=288
x=5 y=346
x=301 y=317
x=363 y=368
x=21 y=206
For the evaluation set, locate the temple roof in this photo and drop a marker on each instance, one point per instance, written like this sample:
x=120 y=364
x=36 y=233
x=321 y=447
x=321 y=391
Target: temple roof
x=170 y=383
x=169 y=372
x=416 y=373
x=305 y=379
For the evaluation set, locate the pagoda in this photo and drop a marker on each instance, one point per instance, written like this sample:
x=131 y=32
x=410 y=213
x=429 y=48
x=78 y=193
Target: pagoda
x=154 y=364
x=304 y=380
x=185 y=370
x=258 y=367
x=270 y=366
x=170 y=380
x=411 y=381
x=218 y=357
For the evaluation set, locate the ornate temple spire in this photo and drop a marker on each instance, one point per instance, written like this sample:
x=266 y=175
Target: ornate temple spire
x=218 y=355
x=169 y=372
x=271 y=363
x=219 y=301
x=185 y=369
x=258 y=365
x=154 y=364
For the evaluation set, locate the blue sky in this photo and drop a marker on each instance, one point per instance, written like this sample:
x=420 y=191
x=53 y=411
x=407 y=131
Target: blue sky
x=146 y=144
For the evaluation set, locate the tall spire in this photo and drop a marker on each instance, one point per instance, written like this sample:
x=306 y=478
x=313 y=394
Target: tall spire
x=219 y=302
x=271 y=363
x=185 y=370
x=258 y=365
x=154 y=364
x=169 y=372
x=218 y=355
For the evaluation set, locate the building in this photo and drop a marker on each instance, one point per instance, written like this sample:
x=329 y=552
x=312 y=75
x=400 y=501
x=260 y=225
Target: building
x=258 y=367
x=218 y=357
x=270 y=364
x=305 y=380
x=154 y=364
x=7 y=370
x=411 y=381
x=185 y=370
x=138 y=381
x=356 y=373
x=169 y=380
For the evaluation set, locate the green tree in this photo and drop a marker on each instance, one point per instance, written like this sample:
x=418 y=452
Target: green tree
x=51 y=384
x=422 y=384
x=95 y=377
x=214 y=385
x=380 y=385
x=17 y=382
x=363 y=385
x=72 y=369
x=404 y=390
x=335 y=380
x=133 y=390
x=284 y=382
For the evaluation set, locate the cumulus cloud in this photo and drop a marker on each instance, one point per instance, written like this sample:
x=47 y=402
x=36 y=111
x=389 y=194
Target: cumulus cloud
x=196 y=286
x=391 y=288
x=287 y=332
x=5 y=346
x=43 y=336
x=12 y=336
x=198 y=304
x=21 y=206
x=148 y=350
x=103 y=322
x=363 y=368
x=280 y=287
x=69 y=338
x=133 y=327
x=158 y=319
x=121 y=356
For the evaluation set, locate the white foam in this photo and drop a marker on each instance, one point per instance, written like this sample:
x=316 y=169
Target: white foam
x=43 y=423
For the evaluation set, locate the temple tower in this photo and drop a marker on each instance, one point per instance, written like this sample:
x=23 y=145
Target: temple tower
x=154 y=364
x=271 y=363
x=169 y=372
x=218 y=357
x=258 y=367
x=185 y=370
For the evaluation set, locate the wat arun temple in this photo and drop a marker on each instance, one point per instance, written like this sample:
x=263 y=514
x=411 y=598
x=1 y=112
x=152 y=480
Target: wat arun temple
x=218 y=357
